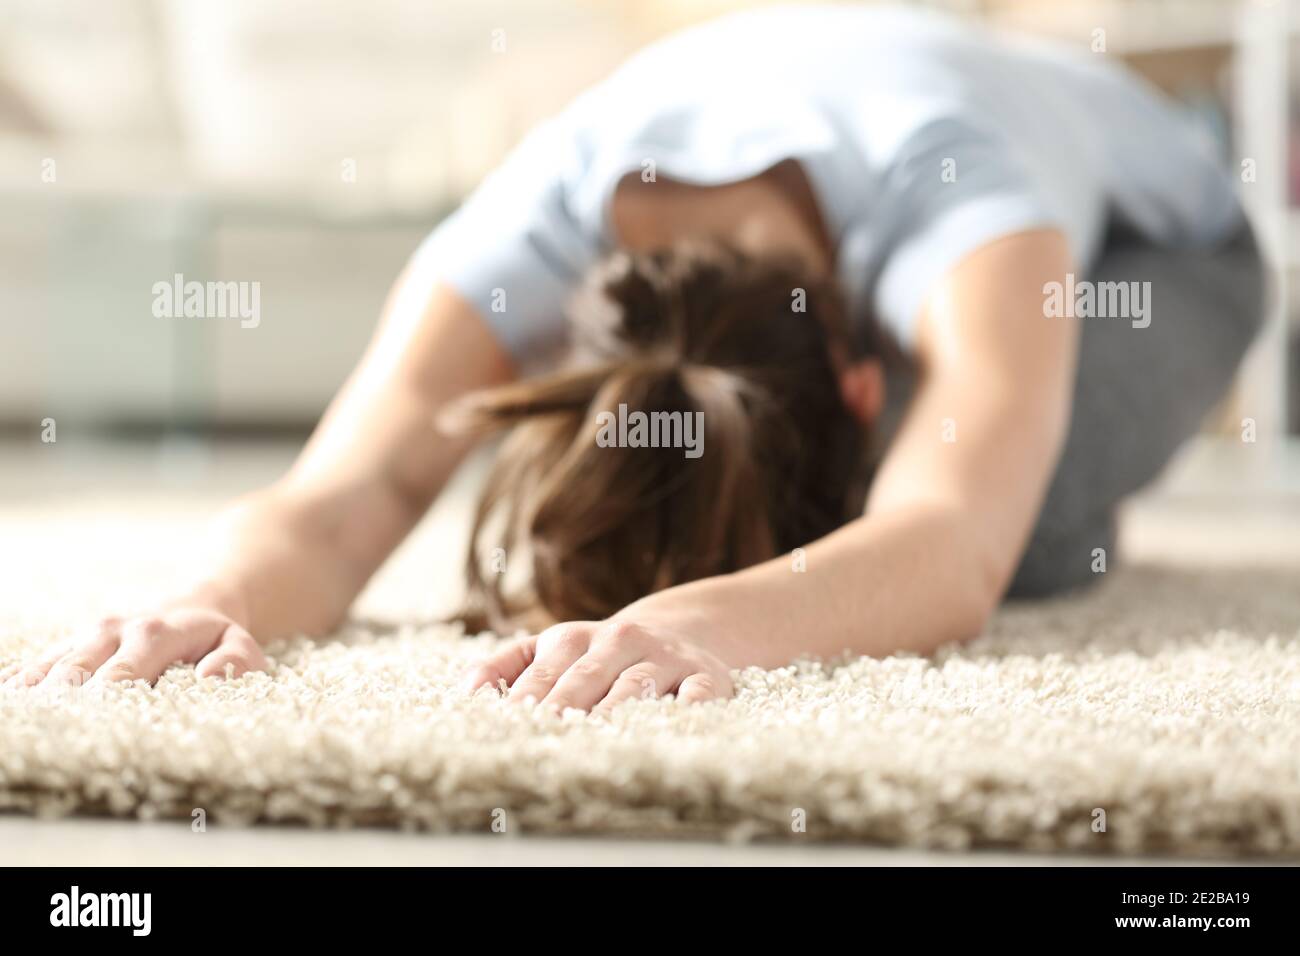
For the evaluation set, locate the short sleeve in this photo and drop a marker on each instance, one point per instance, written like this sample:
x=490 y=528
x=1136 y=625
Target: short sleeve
x=953 y=189
x=514 y=249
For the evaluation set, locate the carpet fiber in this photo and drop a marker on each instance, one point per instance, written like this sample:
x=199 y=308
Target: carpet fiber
x=1164 y=704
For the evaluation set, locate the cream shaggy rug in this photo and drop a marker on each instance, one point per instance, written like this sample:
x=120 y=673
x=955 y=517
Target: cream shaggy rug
x=1164 y=705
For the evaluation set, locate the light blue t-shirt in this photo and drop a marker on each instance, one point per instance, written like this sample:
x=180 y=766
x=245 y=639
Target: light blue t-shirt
x=923 y=137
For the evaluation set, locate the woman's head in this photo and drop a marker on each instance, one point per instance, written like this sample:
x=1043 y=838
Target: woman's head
x=739 y=365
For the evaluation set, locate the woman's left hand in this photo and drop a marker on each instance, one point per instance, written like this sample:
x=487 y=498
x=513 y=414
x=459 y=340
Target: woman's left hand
x=593 y=665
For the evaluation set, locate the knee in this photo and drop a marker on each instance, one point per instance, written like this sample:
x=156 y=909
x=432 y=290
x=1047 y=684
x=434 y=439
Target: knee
x=1059 y=562
x=1036 y=581
x=1252 y=294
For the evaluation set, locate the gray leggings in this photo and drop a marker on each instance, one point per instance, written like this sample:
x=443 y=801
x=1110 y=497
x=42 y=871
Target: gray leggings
x=1140 y=392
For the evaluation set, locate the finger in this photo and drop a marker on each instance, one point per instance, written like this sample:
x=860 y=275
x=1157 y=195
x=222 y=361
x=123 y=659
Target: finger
x=643 y=681
x=76 y=666
x=506 y=664
x=148 y=647
x=586 y=682
x=701 y=687
x=556 y=652
x=236 y=653
x=30 y=674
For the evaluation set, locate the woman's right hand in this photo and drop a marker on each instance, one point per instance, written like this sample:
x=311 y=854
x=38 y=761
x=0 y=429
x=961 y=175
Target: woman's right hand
x=142 y=648
x=303 y=549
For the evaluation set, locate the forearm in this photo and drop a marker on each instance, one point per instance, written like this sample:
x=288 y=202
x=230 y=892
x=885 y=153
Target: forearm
x=280 y=563
x=292 y=558
x=907 y=580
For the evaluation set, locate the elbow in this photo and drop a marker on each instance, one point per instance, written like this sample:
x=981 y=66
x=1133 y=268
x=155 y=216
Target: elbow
x=963 y=615
x=985 y=577
x=981 y=613
x=972 y=610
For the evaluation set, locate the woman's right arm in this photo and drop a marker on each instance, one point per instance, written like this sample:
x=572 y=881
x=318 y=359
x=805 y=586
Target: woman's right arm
x=291 y=558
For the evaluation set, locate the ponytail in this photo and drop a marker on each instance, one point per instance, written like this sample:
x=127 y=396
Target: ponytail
x=698 y=330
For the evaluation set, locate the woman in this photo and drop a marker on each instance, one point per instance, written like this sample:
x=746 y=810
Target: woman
x=759 y=213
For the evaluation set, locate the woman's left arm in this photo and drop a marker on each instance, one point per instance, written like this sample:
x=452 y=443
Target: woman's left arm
x=948 y=517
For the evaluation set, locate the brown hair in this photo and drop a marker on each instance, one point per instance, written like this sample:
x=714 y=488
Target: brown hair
x=699 y=327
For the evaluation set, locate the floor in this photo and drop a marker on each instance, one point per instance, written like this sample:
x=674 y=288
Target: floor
x=1209 y=507
x=114 y=843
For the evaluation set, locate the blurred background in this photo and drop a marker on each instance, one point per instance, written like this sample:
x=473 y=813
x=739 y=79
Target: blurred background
x=309 y=146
